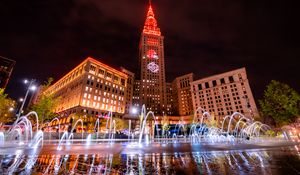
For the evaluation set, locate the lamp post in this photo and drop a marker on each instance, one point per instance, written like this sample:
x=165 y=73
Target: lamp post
x=31 y=87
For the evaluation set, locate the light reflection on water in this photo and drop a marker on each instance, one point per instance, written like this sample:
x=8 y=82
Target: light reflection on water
x=262 y=162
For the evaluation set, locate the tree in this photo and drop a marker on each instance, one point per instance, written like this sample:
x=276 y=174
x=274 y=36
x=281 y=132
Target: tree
x=6 y=104
x=121 y=124
x=46 y=103
x=212 y=122
x=280 y=103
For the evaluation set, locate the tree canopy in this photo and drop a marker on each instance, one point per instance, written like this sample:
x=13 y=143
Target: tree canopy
x=46 y=103
x=280 y=103
x=6 y=104
x=121 y=124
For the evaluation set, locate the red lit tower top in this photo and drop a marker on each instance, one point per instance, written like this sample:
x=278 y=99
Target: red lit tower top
x=150 y=26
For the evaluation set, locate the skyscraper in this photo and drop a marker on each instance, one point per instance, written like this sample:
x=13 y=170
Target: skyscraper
x=6 y=67
x=152 y=66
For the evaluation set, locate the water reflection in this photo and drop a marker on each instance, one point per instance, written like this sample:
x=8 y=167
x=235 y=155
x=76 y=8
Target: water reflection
x=264 y=162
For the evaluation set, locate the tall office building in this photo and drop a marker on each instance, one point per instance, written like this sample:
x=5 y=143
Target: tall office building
x=129 y=91
x=182 y=94
x=170 y=100
x=224 y=94
x=6 y=67
x=152 y=66
x=93 y=88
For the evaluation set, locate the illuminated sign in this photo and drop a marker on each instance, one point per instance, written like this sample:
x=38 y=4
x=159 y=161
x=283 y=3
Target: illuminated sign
x=152 y=54
x=153 y=67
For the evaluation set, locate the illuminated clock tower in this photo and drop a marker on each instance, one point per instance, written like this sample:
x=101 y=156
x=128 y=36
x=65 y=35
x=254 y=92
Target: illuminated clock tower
x=152 y=66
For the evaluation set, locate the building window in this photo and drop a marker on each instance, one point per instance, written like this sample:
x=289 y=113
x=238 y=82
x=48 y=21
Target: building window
x=214 y=83
x=206 y=85
x=222 y=81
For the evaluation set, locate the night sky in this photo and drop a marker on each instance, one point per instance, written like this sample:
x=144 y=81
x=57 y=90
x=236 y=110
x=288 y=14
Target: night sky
x=48 y=38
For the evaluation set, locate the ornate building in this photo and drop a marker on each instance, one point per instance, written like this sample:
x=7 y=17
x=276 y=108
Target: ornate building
x=92 y=88
x=152 y=88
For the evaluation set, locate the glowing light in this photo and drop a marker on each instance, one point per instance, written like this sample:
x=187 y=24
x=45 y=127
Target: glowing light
x=134 y=111
x=33 y=87
x=153 y=67
x=150 y=26
x=152 y=54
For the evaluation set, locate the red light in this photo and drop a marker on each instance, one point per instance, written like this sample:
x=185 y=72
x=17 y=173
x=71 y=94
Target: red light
x=150 y=26
x=152 y=54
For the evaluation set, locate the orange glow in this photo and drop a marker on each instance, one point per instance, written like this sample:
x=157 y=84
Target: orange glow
x=150 y=26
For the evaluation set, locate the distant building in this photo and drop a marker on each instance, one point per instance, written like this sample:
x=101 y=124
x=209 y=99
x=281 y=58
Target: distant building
x=129 y=90
x=6 y=68
x=170 y=100
x=92 y=88
x=136 y=94
x=182 y=95
x=224 y=94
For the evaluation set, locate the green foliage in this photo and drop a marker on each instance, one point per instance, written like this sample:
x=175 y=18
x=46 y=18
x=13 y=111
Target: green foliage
x=280 y=103
x=121 y=124
x=279 y=134
x=166 y=127
x=212 y=122
x=270 y=133
x=5 y=104
x=46 y=103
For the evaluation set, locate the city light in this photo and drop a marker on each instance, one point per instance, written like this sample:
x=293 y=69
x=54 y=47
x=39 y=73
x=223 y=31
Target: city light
x=21 y=99
x=33 y=87
x=11 y=109
x=134 y=110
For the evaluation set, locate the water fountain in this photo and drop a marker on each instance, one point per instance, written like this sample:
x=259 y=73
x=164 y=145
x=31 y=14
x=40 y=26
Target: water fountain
x=235 y=132
x=1 y=138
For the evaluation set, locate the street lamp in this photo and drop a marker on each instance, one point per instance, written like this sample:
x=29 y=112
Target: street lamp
x=134 y=110
x=31 y=87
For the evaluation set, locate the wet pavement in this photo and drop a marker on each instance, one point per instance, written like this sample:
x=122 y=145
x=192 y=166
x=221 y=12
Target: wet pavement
x=262 y=161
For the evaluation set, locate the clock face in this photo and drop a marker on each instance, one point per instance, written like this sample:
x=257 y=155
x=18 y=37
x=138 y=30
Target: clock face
x=153 y=67
x=152 y=54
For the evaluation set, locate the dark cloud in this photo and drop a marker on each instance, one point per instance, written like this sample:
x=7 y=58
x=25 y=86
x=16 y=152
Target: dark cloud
x=50 y=37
